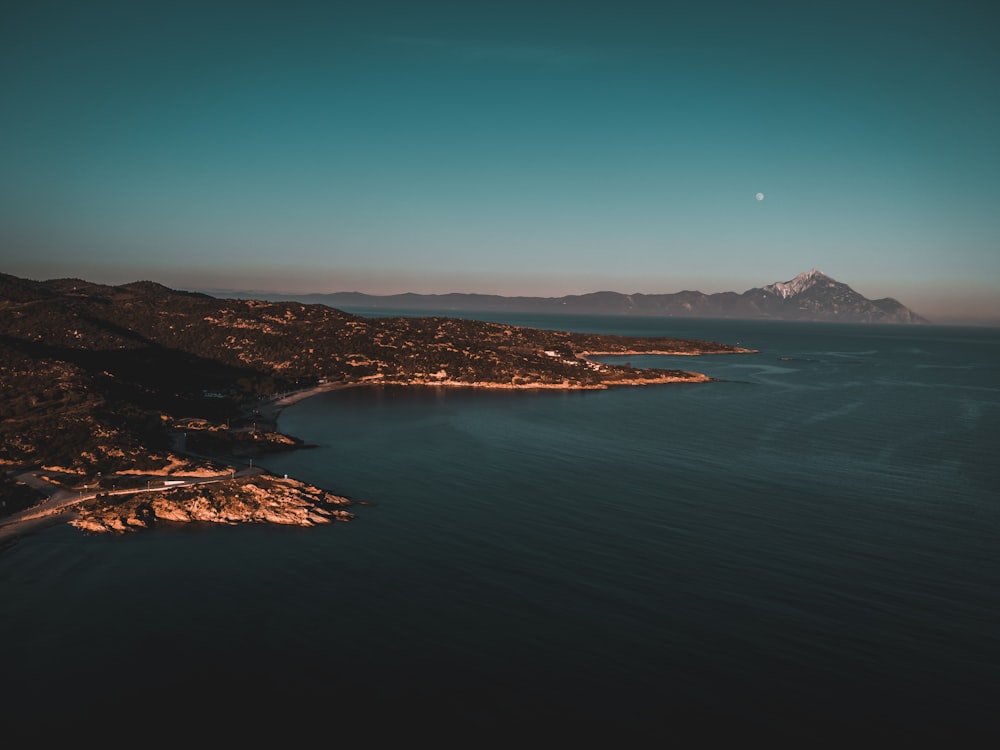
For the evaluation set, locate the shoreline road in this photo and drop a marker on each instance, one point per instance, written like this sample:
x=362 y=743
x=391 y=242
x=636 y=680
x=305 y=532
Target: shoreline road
x=59 y=500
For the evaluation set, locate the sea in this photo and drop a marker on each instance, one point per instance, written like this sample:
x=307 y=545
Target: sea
x=803 y=551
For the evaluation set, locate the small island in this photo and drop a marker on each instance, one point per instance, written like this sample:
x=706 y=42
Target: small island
x=127 y=406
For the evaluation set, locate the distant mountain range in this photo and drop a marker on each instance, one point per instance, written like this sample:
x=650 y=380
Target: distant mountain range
x=811 y=295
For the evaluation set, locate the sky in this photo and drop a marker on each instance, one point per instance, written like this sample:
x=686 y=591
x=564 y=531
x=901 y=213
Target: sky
x=514 y=148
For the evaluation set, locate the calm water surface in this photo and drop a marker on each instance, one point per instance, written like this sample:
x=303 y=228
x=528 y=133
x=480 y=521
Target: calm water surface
x=806 y=548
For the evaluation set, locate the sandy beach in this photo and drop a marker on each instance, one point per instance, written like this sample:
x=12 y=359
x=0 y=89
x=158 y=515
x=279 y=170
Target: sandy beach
x=268 y=411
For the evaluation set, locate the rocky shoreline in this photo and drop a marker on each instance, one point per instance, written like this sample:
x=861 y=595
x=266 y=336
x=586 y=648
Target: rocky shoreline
x=255 y=495
x=261 y=498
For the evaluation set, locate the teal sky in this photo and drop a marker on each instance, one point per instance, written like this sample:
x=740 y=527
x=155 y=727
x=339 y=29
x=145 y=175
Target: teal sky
x=540 y=148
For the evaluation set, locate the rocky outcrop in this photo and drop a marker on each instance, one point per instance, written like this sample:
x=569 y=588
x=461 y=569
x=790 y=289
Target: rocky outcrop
x=258 y=499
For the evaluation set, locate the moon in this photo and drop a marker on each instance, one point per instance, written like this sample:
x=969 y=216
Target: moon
x=759 y=196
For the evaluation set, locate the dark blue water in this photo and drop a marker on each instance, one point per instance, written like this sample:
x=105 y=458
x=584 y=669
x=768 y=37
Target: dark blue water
x=804 y=550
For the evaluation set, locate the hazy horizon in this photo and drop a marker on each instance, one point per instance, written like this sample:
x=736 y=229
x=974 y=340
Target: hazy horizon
x=517 y=149
x=938 y=305
x=947 y=312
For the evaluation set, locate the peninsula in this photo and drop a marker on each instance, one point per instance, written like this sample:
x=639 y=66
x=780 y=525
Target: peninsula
x=127 y=406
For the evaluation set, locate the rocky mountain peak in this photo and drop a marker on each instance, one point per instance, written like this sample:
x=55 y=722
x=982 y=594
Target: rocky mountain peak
x=802 y=282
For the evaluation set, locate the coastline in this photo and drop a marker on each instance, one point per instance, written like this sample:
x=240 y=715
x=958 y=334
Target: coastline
x=268 y=411
x=266 y=415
